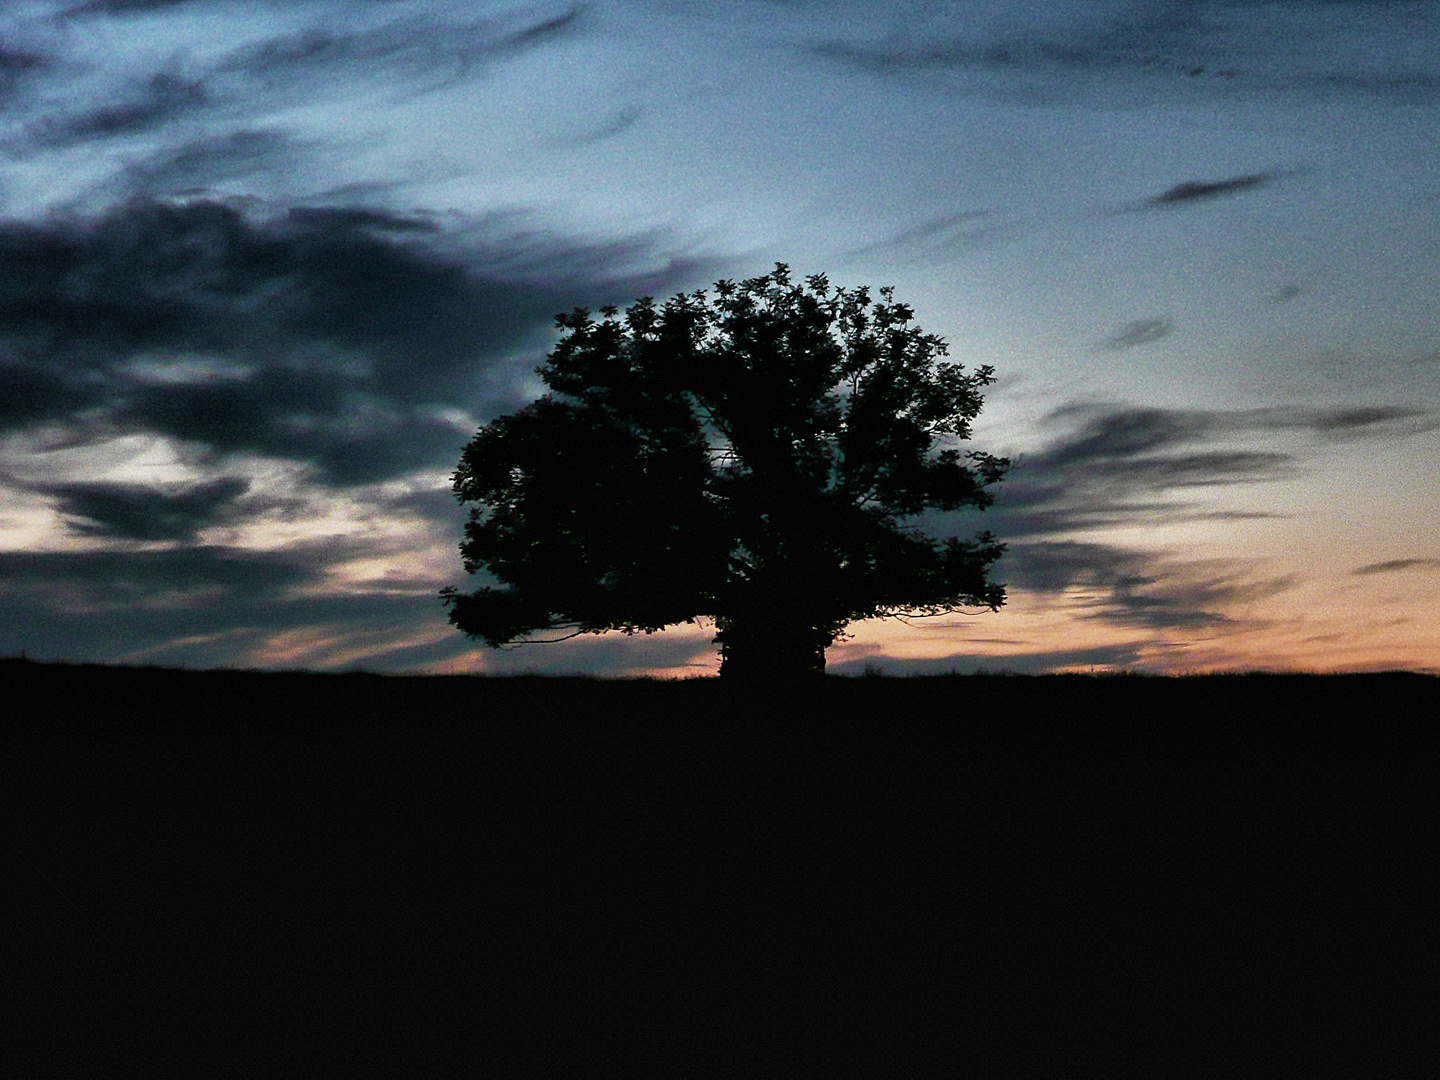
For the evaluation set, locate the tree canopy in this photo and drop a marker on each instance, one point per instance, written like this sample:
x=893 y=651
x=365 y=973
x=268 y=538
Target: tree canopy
x=758 y=456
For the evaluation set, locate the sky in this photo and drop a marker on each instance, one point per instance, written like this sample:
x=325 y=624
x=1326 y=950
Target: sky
x=265 y=267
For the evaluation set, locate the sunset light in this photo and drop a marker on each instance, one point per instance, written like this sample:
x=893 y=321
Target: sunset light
x=265 y=269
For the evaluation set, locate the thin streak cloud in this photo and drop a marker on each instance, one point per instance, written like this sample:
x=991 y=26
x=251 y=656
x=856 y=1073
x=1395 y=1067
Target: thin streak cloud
x=1051 y=54
x=1139 y=332
x=1393 y=566
x=1198 y=190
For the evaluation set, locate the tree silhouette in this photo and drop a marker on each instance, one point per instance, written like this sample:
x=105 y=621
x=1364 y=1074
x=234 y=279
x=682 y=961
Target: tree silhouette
x=753 y=457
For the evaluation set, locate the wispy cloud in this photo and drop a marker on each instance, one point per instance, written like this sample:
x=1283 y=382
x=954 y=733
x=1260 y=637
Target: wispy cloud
x=199 y=605
x=1052 y=53
x=201 y=164
x=1396 y=565
x=1119 y=466
x=1143 y=590
x=93 y=8
x=1139 y=332
x=315 y=52
x=155 y=101
x=1114 y=464
x=942 y=238
x=1198 y=190
x=433 y=50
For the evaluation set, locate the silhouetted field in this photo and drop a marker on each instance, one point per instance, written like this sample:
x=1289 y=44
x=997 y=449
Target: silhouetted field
x=234 y=873
x=530 y=706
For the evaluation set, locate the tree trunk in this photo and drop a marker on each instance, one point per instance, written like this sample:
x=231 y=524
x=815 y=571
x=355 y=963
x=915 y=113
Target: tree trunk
x=767 y=649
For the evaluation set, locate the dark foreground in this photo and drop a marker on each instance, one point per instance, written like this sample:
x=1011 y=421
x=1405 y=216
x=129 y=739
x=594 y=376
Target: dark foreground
x=304 y=875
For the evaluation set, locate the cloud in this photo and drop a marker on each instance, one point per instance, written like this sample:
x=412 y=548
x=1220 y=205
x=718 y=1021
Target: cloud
x=340 y=355
x=203 y=163
x=1198 y=190
x=1051 y=53
x=157 y=100
x=545 y=29
x=1138 y=589
x=1121 y=656
x=1123 y=466
x=212 y=606
x=1406 y=87
x=1396 y=565
x=1140 y=332
x=142 y=512
x=1140 y=450
x=199 y=605
x=621 y=122
x=611 y=654
x=1370 y=420
x=122 y=7
x=336 y=336
x=190 y=578
x=435 y=49
x=327 y=51
x=1107 y=431
x=942 y=238
x=1119 y=464
x=17 y=64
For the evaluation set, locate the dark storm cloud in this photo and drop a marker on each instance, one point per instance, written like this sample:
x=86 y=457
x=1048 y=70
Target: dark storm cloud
x=327 y=335
x=1396 y=565
x=1197 y=190
x=141 y=512
x=349 y=338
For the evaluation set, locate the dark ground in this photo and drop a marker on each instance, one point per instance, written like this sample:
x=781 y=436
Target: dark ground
x=271 y=875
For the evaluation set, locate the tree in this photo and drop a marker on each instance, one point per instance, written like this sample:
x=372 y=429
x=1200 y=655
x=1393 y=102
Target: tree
x=757 y=457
